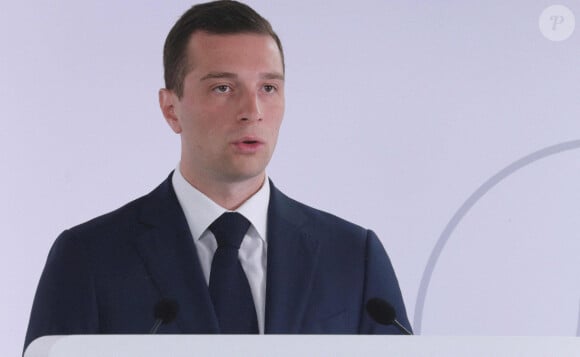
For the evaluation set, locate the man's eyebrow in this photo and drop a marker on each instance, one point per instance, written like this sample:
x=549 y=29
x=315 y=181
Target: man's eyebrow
x=212 y=75
x=218 y=75
x=274 y=75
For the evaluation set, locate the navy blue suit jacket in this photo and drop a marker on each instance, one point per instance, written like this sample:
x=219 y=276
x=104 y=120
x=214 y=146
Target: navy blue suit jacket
x=106 y=275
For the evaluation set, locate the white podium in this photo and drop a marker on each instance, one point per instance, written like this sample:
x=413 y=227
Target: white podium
x=299 y=345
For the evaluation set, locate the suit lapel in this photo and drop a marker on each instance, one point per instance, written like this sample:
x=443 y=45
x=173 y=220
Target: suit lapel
x=292 y=258
x=169 y=253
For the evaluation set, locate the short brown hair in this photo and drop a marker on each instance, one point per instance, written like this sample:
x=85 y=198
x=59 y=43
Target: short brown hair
x=216 y=17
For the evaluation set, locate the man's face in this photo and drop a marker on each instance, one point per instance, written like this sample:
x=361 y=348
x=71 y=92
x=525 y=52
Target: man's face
x=231 y=109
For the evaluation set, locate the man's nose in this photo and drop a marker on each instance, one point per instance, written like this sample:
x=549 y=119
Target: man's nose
x=250 y=107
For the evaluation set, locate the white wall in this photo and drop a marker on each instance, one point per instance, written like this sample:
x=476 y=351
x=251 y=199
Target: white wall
x=397 y=113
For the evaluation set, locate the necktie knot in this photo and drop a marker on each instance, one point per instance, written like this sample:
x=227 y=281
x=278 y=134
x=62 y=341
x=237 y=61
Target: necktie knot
x=229 y=229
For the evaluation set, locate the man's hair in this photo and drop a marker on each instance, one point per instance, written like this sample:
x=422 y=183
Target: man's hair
x=220 y=17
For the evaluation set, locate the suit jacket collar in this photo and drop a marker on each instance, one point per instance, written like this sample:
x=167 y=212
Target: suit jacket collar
x=175 y=269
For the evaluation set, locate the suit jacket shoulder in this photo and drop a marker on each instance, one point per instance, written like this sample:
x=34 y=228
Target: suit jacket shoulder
x=105 y=275
x=333 y=267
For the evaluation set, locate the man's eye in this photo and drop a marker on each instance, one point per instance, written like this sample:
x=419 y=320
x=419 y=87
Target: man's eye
x=268 y=88
x=222 y=89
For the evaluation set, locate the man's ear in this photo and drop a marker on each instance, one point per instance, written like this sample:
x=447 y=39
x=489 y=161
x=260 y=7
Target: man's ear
x=167 y=100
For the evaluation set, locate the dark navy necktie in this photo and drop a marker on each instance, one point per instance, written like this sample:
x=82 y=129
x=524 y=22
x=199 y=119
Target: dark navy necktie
x=228 y=285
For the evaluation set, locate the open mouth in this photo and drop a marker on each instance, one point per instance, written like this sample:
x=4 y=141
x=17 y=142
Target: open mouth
x=249 y=145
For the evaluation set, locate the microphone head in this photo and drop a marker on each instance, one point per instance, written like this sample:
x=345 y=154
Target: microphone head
x=381 y=311
x=166 y=310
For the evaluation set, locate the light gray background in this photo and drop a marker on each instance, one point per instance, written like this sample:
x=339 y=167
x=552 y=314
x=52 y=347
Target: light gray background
x=397 y=112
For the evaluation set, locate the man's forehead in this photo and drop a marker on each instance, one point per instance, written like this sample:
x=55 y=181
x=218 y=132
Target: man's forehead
x=215 y=50
x=212 y=41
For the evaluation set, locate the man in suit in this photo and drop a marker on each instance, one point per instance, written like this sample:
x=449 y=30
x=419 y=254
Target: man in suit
x=305 y=271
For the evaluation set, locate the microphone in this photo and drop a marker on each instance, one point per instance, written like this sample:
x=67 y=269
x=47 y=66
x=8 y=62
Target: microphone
x=384 y=313
x=165 y=311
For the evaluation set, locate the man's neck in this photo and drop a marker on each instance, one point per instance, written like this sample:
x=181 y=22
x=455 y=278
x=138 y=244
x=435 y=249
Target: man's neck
x=229 y=195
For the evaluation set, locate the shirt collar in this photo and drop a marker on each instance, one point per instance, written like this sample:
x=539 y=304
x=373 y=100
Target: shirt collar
x=200 y=211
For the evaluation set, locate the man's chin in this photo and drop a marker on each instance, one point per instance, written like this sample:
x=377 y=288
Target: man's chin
x=247 y=177
x=246 y=171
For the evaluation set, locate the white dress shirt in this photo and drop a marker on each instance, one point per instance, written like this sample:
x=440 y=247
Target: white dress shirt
x=200 y=212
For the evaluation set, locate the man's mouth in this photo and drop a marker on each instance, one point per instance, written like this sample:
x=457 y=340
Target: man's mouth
x=249 y=145
x=250 y=140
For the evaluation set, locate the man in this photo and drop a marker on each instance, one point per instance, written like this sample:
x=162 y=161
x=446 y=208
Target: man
x=304 y=271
